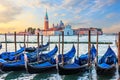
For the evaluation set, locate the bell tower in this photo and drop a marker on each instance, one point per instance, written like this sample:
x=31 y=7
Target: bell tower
x=46 y=21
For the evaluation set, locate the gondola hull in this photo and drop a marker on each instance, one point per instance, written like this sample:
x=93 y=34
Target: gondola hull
x=68 y=71
x=13 y=68
x=119 y=69
x=107 y=63
x=105 y=71
x=31 y=69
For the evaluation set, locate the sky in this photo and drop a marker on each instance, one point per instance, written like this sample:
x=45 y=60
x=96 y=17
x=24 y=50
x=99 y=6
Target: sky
x=18 y=15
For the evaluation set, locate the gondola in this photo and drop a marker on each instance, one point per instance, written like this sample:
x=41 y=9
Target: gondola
x=84 y=57
x=67 y=56
x=107 y=63
x=49 y=66
x=20 y=65
x=43 y=56
x=79 y=65
x=11 y=55
x=42 y=47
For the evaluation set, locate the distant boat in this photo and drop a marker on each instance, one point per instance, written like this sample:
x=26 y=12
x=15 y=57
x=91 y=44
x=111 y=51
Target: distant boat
x=79 y=65
x=107 y=63
x=49 y=66
x=20 y=65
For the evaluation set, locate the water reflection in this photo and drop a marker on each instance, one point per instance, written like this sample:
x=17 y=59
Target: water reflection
x=3 y=75
x=13 y=75
x=70 y=77
x=45 y=76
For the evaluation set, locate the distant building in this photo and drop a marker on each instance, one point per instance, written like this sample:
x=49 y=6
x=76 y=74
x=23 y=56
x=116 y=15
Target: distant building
x=57 y=33
x=68 y=31
x=84 y=31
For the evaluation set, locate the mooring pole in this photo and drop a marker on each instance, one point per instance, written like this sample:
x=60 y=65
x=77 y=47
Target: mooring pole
x=5 y=42
x=24 y=41
x=97 y=47
x=25 y=56
x=119 y=49
x=15 y=41
x=59 y=44
x=78 y=47
x=62 y=48
x=89 y=47
x=49 y=42
x=38 y=47
x=41 y=40
x=27 y=39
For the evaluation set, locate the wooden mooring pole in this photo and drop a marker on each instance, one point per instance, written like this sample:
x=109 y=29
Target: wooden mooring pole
x=78 y=46
x=59 y=44
x=38 y=47
x=25 y=56
x=97 y=48
x=27 y=39
x=119 y=49
x=24 y=41
x=49 y=42
x=41 y=40
x=89 y=47
x=15 y=41
x=62 y=48
x=5 y=42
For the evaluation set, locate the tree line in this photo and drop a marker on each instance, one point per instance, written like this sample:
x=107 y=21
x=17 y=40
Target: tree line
x=31 y=30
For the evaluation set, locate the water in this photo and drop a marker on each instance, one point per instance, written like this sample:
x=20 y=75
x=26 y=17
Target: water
x=91 y=75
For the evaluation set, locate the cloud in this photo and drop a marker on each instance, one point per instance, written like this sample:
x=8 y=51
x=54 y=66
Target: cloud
x=111 y=15
x=113 y=29
x=8 y=11
x=49 y=4
x=59 y=14
x=99 y=6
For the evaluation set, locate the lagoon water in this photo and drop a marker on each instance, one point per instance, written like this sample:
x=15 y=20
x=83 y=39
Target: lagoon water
x=91 y=75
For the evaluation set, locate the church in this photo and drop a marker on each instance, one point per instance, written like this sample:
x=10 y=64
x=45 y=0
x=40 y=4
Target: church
x=68 y=31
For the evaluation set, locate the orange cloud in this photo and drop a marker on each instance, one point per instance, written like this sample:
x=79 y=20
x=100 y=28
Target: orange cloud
x=113 y=29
